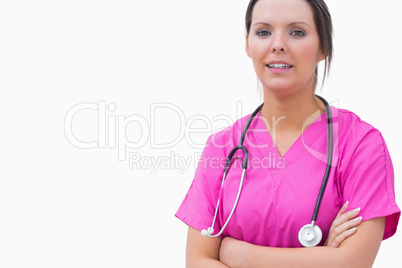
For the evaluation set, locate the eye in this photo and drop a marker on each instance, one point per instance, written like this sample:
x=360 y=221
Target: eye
x=263 y=33
x=298 y=33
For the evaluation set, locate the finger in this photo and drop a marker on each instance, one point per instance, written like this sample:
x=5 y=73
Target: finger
x=346 y=217
x=349 y=215
x=347 y=226
x=343 y=209
x=339 y=230
x=340 y=238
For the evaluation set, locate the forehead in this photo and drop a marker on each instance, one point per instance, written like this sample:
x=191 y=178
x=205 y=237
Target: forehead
x=282 y=11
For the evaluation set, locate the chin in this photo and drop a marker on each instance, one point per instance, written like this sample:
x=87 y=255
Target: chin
x=279 y=90
x=283 y=89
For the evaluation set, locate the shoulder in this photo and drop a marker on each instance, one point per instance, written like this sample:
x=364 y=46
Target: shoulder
x=357 y=138
x=352 y=129
x=228 y=138
x=218 y=146
x=351 y=121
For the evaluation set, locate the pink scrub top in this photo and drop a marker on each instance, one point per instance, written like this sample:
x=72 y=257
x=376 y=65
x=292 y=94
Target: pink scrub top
x=279 y=193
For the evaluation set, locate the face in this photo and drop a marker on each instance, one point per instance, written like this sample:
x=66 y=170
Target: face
x=284 y=45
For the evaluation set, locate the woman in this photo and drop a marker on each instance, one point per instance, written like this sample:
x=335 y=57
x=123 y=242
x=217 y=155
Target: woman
x=287 y=144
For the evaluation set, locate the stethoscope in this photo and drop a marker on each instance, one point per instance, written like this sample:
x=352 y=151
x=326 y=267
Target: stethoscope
x=310 y=234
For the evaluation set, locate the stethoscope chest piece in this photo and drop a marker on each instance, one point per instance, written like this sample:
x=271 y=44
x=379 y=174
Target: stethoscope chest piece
x=310 y=235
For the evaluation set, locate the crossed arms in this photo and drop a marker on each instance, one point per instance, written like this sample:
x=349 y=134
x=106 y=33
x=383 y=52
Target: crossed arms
x=351 y=243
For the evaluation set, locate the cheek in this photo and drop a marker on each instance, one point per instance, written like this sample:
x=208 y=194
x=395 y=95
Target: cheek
x=258 y=54
x=309 y=53
x=257 y=51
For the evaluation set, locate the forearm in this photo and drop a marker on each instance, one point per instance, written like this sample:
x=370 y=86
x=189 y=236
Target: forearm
x=258 y=256
x=202 y=251
x=359 y=250
x=205 y=262
x=241 y=254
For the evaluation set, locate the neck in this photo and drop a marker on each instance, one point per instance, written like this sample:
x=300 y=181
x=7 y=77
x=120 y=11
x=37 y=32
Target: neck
x=286 y=114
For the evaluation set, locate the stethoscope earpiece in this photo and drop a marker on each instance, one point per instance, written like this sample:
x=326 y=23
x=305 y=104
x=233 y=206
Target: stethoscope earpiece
x=207 y=232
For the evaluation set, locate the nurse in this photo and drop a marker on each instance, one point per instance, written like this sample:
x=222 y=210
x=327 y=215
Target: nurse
x=287 y=146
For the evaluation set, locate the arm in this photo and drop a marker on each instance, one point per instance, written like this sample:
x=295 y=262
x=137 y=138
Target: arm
x=202 y=251
x=358 y=250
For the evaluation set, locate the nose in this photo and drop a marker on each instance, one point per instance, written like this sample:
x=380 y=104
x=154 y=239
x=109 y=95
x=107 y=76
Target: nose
x=275 y=49
x=278 y=44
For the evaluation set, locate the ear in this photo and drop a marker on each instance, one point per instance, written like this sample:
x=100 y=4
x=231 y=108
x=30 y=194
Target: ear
x=247 y=47
x=321 y=57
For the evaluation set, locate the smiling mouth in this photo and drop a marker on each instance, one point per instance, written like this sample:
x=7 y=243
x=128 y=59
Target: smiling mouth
x=279 y=66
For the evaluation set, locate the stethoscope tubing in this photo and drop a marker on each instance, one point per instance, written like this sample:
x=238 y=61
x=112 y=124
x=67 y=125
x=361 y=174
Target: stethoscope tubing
x=329 y=159
x=317 y=231
x=231 y=212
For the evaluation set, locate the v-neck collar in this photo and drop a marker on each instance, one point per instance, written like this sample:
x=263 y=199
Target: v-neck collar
x=263 y=141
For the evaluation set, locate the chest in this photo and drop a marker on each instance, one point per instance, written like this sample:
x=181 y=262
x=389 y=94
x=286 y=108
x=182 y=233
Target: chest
x=276 y=200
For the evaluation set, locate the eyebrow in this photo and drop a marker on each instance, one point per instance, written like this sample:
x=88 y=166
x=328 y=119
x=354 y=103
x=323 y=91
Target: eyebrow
x=290 y=24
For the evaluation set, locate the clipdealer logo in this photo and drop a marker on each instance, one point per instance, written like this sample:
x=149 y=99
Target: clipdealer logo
x=113 y=132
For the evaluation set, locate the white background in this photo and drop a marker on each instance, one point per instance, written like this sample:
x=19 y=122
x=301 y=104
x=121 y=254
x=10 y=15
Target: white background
x=64 y=206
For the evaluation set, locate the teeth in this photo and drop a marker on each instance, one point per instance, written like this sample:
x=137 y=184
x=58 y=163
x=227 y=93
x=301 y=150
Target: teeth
x=279 y=66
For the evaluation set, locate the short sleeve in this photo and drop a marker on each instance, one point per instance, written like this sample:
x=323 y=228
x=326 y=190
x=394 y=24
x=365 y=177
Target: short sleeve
x=368 y=181
x=198 y=207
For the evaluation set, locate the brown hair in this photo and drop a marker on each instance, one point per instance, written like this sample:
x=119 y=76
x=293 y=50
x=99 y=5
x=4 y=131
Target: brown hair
x=323 y=22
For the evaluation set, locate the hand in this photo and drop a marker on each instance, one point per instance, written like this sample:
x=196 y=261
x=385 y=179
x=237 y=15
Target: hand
x=343 y=226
